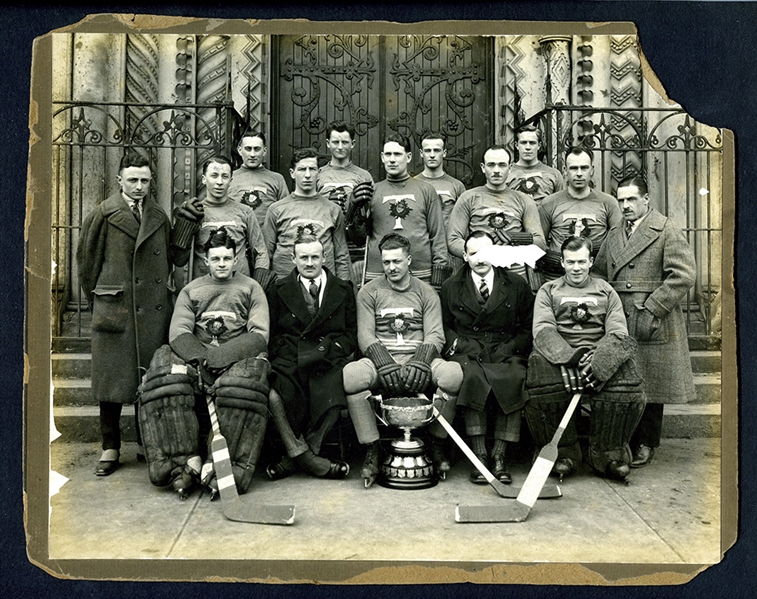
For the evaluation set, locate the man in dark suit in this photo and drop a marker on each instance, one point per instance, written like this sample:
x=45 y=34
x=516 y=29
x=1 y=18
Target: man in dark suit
x=650 y=264
x=313 y=335
x=124 y=268
x=487 y=314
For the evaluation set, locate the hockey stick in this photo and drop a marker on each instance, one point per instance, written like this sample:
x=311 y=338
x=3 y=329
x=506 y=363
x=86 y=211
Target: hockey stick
x=537 y=476
x=508 y=492
x=231 y=504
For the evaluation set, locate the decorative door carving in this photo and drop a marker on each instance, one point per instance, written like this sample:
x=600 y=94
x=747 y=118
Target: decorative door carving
x=410 y=84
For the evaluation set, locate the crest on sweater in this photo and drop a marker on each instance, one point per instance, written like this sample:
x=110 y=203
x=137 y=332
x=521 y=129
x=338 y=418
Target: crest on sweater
x=397 y=320
x=253 y=197
x=579 y=312
x=306 y=226
x=399 y=207
x=215 y=324
x=580 y=225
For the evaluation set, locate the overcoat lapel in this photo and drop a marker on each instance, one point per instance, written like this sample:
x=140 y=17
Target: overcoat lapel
x=644 y=236
x=332 y=299
x=117 y=211
x=151 y=220
x=291 y=295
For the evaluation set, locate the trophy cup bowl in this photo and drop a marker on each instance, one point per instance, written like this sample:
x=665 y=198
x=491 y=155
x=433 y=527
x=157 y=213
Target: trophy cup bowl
x=406 y=465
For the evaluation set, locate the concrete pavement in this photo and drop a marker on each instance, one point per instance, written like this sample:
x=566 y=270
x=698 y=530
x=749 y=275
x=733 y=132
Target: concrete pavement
x=668 y=514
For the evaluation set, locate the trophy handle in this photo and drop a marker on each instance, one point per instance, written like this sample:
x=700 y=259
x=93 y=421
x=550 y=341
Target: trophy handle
x=379 y=412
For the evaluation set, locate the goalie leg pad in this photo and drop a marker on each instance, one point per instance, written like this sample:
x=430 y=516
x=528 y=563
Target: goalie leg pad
x=546 y=402
x=242 y=406
x=169 y=427
x=615 y=413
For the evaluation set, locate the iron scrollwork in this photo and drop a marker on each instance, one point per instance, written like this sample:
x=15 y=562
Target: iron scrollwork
x=348 y=79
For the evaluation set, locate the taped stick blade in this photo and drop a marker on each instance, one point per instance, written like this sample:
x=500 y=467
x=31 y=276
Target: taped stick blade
x=507 y=512
x=259 y=514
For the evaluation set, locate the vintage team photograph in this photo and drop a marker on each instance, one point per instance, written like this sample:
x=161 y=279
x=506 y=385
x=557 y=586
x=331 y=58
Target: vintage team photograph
x=332 y=299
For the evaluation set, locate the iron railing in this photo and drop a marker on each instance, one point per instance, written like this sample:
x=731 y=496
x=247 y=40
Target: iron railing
x=89 y=140
x=682 y=162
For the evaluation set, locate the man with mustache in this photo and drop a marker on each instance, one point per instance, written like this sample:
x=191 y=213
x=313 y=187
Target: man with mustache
x=650 y=264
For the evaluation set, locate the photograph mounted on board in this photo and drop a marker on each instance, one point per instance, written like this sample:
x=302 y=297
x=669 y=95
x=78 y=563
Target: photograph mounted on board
x=329 y=298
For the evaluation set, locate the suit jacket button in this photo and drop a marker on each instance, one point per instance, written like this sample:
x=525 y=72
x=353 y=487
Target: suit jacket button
x=628 y=314
x=475 y=328
x=321 y=348
x=631 y=265
x=158 y=307
x=628 y=285
x=158 y=280
x=157 y=252
x=613 y=264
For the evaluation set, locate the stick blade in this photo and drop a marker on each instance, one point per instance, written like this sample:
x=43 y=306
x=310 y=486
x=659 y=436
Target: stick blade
x=508 y=512
x=260 y=514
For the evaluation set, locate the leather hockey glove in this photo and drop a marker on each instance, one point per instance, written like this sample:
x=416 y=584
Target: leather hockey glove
x=439 y=274
x=521 y=238
x=389 y=372
x=417 y=371
x=550 y=263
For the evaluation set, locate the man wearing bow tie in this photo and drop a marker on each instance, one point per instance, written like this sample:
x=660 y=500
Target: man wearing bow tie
x=313 y=335
x=487 y=314
x=124 y=267
x=650 y=264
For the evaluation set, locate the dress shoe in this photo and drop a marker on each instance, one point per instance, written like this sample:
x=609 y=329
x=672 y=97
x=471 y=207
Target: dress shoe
x=476 y=477
x=499 y=470
x=337 y=471
x=563 y=467
x=106 y=468
x=617 y=470
x=642 y=457
x=108 y=463
x=278 y=470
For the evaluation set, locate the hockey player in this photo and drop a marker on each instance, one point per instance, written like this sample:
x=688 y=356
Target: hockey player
x=306 y=211
x=217 y=345
x=399 y=320
x=253 y=184
x=576 y=211
x=529 y=174
x=509 y=217
x=403 y=205
x=581 y=344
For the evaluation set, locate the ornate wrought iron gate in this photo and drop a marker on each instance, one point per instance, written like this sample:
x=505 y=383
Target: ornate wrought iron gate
x=410 y=84
x=89 y=140
x=682 y=162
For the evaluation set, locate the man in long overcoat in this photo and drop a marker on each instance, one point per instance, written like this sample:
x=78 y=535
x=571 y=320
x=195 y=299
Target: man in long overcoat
x=123 y=261
x=650 y=264
x=313 y=335
x=487 y=314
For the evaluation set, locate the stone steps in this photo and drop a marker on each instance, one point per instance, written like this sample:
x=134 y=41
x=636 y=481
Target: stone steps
x=76 y=412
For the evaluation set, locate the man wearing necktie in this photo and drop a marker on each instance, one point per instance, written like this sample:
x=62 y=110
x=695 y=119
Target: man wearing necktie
x=313 y=335
x=487 y=314
x=652 y=268
x=124 y=266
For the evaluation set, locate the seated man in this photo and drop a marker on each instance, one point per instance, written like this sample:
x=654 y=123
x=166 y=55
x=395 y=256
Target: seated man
x=218 y=337
x=581 y=344
x=313 y=335
x=399 y=331
x=487 y=315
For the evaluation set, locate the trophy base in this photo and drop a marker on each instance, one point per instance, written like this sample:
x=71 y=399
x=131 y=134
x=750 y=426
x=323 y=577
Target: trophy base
x=406 y=466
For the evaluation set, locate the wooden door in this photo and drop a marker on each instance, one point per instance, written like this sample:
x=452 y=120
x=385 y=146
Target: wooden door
x=410 y=84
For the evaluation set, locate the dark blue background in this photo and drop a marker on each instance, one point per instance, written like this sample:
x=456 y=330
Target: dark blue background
x=704 y=53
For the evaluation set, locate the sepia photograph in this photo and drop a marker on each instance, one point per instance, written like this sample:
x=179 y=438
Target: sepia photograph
x=371 y=302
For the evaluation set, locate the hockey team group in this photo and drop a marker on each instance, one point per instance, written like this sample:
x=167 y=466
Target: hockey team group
x=303 y=307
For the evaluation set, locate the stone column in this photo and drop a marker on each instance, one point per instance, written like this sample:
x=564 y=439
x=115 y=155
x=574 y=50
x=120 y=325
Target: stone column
x=556 y=50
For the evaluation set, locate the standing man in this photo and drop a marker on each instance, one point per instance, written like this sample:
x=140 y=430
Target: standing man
x=402 y=205
x=218 y=210
x=313 y=335
x=306 y=211
x=651 y=266
x=509 y=217
x=576 y=211
x=124 y=268
x=340 y=180
x=581 y=345
x=399 y=331
x=433 y=152
x=487 y=315
x=530 y=175
x=254 y=185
